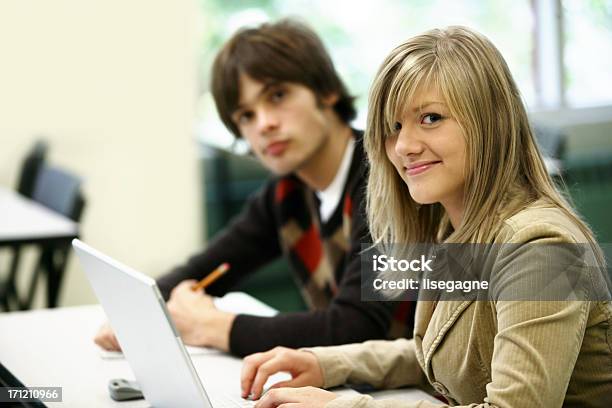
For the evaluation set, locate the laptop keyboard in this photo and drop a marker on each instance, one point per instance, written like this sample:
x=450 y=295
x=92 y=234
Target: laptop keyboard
x=228 y=401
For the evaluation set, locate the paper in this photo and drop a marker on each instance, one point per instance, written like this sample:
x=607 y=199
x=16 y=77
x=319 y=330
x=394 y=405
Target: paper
x=241 y=303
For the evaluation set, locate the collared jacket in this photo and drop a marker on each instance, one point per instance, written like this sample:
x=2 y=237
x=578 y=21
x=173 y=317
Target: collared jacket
x=492 y=353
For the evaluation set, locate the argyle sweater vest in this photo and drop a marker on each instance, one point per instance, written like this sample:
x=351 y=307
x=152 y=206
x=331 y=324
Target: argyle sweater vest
x=317 y=251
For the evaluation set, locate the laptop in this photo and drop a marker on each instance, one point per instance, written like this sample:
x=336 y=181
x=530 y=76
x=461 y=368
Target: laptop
x=148 y=337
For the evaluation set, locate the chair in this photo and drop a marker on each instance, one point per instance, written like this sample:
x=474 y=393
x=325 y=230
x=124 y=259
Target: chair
x=229 y=180
x=30 y=167
x=60 y=191
x=25 y=186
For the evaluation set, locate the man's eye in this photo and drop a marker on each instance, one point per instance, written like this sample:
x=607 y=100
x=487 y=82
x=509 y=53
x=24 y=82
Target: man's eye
x=397 y=126
x=277 y=95
x=430 y=118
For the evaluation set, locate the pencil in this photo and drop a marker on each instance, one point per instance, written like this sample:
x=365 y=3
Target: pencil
x=212 y=277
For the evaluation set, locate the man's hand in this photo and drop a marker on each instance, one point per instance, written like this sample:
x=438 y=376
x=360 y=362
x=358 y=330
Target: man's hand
x=257 y=368
x=305 y=397
x=197 y=319
x=106 y=339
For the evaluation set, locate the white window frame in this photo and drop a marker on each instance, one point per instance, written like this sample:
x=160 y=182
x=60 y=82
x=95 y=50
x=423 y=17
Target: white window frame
x=548 y=66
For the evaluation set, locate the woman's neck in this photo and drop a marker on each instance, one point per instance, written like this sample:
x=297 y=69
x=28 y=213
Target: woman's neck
x=454 y=208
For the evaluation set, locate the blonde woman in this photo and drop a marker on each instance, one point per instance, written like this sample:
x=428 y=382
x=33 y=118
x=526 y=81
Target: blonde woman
x=453 y=159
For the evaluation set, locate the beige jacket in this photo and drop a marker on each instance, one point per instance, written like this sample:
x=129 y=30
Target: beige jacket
x=492 y=354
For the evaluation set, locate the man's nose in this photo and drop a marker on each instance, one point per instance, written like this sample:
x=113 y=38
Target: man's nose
x=267 y=121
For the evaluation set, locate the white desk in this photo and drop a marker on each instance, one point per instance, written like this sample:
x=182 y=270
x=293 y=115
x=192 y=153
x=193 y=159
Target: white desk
x=24 y=220
x=55 y=348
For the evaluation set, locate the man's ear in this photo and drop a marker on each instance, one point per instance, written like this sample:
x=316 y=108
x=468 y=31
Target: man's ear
x=330 y=100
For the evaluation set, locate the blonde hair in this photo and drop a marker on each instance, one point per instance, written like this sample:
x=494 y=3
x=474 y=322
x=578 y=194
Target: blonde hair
x=504 y=169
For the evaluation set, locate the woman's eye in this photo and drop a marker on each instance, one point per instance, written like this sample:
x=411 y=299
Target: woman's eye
x=245 y=117
x=431 y=118
x=397 y=126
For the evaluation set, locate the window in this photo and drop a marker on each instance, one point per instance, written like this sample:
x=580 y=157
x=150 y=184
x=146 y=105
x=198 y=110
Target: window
x=587 y=51
x=360 y=34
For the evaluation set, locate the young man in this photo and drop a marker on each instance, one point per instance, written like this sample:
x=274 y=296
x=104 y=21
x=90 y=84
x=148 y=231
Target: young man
x=276 y=86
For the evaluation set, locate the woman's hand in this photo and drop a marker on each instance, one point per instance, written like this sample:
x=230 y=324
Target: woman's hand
x=257 y=368
x=305 y=397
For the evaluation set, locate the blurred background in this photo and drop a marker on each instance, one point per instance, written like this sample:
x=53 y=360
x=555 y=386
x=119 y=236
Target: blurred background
x=119 y=92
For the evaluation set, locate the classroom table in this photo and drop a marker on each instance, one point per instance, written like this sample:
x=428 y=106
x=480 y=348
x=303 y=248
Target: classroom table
x=26 y=222
x=54 y=347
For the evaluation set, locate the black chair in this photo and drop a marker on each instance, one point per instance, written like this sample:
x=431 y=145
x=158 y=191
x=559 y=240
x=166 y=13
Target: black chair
x=60 y=191
x=230 y=179
x=30 y=168
x=25 y=186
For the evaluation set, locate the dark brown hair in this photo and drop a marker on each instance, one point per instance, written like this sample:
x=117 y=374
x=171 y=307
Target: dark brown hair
x=286 y=51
